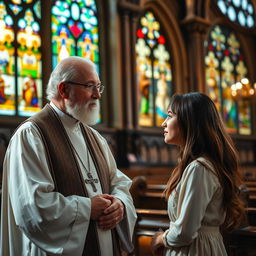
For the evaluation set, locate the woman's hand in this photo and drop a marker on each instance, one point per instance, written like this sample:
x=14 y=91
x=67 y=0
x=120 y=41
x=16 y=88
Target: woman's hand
x=157 y=245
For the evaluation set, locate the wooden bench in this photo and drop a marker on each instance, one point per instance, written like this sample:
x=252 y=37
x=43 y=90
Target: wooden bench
x=149 y=222
x=252 y=201
x=251 y=190
x=154 y=175
x=251 y=216
x=241 y=242
x=250 y=183
x=147 y=196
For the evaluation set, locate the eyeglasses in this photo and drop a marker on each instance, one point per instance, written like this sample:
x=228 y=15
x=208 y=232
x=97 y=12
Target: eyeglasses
x=90 y=87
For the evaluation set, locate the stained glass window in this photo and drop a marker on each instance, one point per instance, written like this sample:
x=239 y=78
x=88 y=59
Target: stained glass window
x=75 y=30
x=154 y=75
x=239 y=11
x=20 y=58
x=225 y=65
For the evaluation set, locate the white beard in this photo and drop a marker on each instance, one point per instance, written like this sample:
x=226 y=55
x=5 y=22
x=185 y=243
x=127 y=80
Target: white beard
x=84 y=113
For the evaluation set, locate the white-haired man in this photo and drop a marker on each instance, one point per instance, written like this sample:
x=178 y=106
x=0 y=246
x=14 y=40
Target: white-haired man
x=62 y=193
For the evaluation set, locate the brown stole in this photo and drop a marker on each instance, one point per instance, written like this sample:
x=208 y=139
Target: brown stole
x=65 y=170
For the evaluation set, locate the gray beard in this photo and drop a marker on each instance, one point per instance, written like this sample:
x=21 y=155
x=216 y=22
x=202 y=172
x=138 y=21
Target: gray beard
x=84 y=113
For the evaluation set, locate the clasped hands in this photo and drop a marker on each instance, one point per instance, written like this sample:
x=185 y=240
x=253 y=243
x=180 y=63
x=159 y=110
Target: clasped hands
x=107 y=210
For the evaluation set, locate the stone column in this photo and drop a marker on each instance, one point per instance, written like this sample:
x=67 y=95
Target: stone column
x=129 y=13
x=195 y=34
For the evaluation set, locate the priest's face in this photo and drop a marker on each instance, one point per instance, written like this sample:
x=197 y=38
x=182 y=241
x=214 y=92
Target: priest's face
x=83 y=102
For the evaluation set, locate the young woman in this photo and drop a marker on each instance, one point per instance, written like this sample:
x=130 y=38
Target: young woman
x=202 y=191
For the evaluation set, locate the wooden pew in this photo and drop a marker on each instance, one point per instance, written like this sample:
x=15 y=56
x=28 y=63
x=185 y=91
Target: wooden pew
x=154 y=175
x=241 y=242
x=149 y=222
x=251 y=190
x=252 y=201
x=147 y=196
x=250 y=183
x=251 y=216
x=152 y=214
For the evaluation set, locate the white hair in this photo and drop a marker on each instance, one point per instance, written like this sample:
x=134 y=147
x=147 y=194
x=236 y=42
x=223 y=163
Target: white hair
x=67 y=70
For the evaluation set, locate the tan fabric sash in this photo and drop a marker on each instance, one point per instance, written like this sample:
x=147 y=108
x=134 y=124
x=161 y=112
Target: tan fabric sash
x=65 y=170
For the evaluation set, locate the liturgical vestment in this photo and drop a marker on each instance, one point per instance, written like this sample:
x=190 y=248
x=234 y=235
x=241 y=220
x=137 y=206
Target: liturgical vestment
x=35 y=218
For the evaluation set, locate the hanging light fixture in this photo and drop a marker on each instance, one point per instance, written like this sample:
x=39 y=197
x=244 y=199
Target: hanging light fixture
x=243 y=90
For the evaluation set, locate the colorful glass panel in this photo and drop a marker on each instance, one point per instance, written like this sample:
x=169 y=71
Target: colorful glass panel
x=239 y=11
x=154 y=75
x=37 y=9
x=15 y=8
x=7 y=61
x=244 y=117
x=75 y=30
x=29 y=65
x=20 y=65
x=16 y=1
x=224 y=66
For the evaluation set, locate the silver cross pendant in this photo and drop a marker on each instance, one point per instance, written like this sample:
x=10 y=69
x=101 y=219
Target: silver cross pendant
x=91 y=181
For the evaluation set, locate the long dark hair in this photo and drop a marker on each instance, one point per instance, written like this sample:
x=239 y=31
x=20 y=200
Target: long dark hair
x=205 y=136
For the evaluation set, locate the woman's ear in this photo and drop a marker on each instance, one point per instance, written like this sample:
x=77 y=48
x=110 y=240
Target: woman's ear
x=63 y=90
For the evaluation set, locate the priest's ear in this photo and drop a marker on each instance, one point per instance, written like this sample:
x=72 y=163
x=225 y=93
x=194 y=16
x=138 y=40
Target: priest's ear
x=63 y=90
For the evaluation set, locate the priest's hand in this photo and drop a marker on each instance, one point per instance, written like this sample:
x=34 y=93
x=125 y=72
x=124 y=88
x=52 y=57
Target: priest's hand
x=98 y=204
x=113 y=214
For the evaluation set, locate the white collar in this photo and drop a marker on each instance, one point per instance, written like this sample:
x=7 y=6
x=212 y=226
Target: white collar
x=68 y=121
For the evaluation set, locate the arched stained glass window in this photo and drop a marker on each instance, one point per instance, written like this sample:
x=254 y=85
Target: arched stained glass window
x=239 y=11
x=75 y=30
x=154 y=73
x=20 y=58
x=225 y=65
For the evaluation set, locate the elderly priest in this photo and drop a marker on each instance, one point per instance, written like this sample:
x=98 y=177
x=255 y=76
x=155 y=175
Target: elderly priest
x=62 y=192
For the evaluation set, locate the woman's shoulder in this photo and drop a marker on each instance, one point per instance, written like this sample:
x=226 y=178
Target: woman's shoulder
x=201 y=166
x=204 y=161
x=201 y=162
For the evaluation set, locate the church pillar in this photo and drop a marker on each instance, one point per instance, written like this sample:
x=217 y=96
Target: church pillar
x=129 y=14
x=108 y=43
x=126 y=69
x=195 y=34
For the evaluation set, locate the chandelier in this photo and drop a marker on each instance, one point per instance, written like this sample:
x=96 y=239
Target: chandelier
x=243 y=90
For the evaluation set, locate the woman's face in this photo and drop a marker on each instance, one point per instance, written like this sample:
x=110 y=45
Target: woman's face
x=172 y=133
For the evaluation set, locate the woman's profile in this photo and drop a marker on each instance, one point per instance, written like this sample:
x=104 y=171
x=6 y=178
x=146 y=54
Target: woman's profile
x=202 y=191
